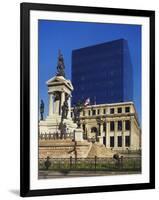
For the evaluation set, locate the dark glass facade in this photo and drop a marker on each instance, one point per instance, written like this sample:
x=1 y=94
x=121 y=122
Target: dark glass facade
x=102 y=73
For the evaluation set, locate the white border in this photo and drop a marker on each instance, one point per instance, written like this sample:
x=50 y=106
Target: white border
x=86 y=181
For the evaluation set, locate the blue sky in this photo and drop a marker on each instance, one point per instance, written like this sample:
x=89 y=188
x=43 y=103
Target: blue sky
x=55 y=35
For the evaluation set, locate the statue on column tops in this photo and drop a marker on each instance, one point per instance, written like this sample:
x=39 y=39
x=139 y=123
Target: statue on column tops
x=60 y=65
x=41 y=109
x=76 y=111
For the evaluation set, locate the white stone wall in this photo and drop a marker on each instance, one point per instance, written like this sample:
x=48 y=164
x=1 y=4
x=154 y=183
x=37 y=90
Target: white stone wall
x=91 y=121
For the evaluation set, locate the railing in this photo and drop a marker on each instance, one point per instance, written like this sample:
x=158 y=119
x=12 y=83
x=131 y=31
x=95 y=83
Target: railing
x=54 y=136
x=96 y=163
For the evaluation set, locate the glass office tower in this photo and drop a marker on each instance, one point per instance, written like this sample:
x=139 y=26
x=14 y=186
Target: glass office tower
x=103 y=73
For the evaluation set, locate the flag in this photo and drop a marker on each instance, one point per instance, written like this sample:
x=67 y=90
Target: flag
x=87 y=102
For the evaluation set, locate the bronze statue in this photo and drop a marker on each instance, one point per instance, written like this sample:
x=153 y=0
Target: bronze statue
x=63 y=131
x=65 y=109
x=41 y=110
x=60 y=65
x=76 y=112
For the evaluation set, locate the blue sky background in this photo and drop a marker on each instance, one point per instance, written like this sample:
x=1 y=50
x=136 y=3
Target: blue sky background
x=55 y=35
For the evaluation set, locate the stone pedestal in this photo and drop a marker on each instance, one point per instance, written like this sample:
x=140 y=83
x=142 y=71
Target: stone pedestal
x=78 y=134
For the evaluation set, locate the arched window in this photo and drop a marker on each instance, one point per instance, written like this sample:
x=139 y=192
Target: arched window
x=93 y=130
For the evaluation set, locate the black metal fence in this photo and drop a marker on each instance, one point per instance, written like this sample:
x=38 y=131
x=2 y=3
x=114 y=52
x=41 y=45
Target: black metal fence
x=96 y=163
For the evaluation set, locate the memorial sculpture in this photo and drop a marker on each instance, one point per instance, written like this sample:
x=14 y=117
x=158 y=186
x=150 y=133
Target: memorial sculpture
x=41 y=110
x=76 y=112
x=65 y=109
x=60 y=65
x=59 y=121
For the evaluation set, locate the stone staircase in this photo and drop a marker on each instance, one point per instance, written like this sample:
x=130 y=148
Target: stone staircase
x=101 y=151
x=66 y=149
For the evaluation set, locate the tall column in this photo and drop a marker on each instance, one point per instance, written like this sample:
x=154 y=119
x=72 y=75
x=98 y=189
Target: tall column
x=123 y=134
x=69 y=107
x=115 y=134
x=100 y=137
x=131 y=130
x=56 y=106
x=53 y=100
x=86 y=131
x=107 y=134
x=62 y=98
x=50 y=104
x=101 y=129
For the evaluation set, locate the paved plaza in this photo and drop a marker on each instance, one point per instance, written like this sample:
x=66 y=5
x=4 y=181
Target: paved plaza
x=71 y=174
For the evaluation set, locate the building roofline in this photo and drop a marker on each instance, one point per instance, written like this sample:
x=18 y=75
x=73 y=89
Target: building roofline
x=115 y=104
x=102 y=43
x=111 y=104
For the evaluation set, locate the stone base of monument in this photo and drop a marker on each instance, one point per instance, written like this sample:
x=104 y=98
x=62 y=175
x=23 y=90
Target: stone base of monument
x=78 y=134
x=51 y=125
x=70 y=124
x=63 y=148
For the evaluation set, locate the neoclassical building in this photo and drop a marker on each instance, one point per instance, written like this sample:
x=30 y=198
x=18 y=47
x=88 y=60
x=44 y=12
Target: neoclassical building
x=114 y=125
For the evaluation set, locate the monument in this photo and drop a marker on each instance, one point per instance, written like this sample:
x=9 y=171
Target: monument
x=59 y=121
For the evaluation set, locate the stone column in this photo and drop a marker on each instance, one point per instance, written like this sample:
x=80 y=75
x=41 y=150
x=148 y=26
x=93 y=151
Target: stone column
x=53 y=98
x=131 y=130
x=101 y=133
x=107 y=134
x=86 y=131
x=56 y=106
x=101 y=129
x=123 y=134
x=50 y=104
x=69 y=107
x=62 y=100
x=115 y=134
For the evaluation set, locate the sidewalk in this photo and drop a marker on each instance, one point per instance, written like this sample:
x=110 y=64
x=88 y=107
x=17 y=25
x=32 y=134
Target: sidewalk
x=58 y=174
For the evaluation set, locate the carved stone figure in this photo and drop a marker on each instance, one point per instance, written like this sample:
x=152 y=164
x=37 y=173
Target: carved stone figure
x=41 y=110
x=76 y=111
x=65 y=109
x=63 y=131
